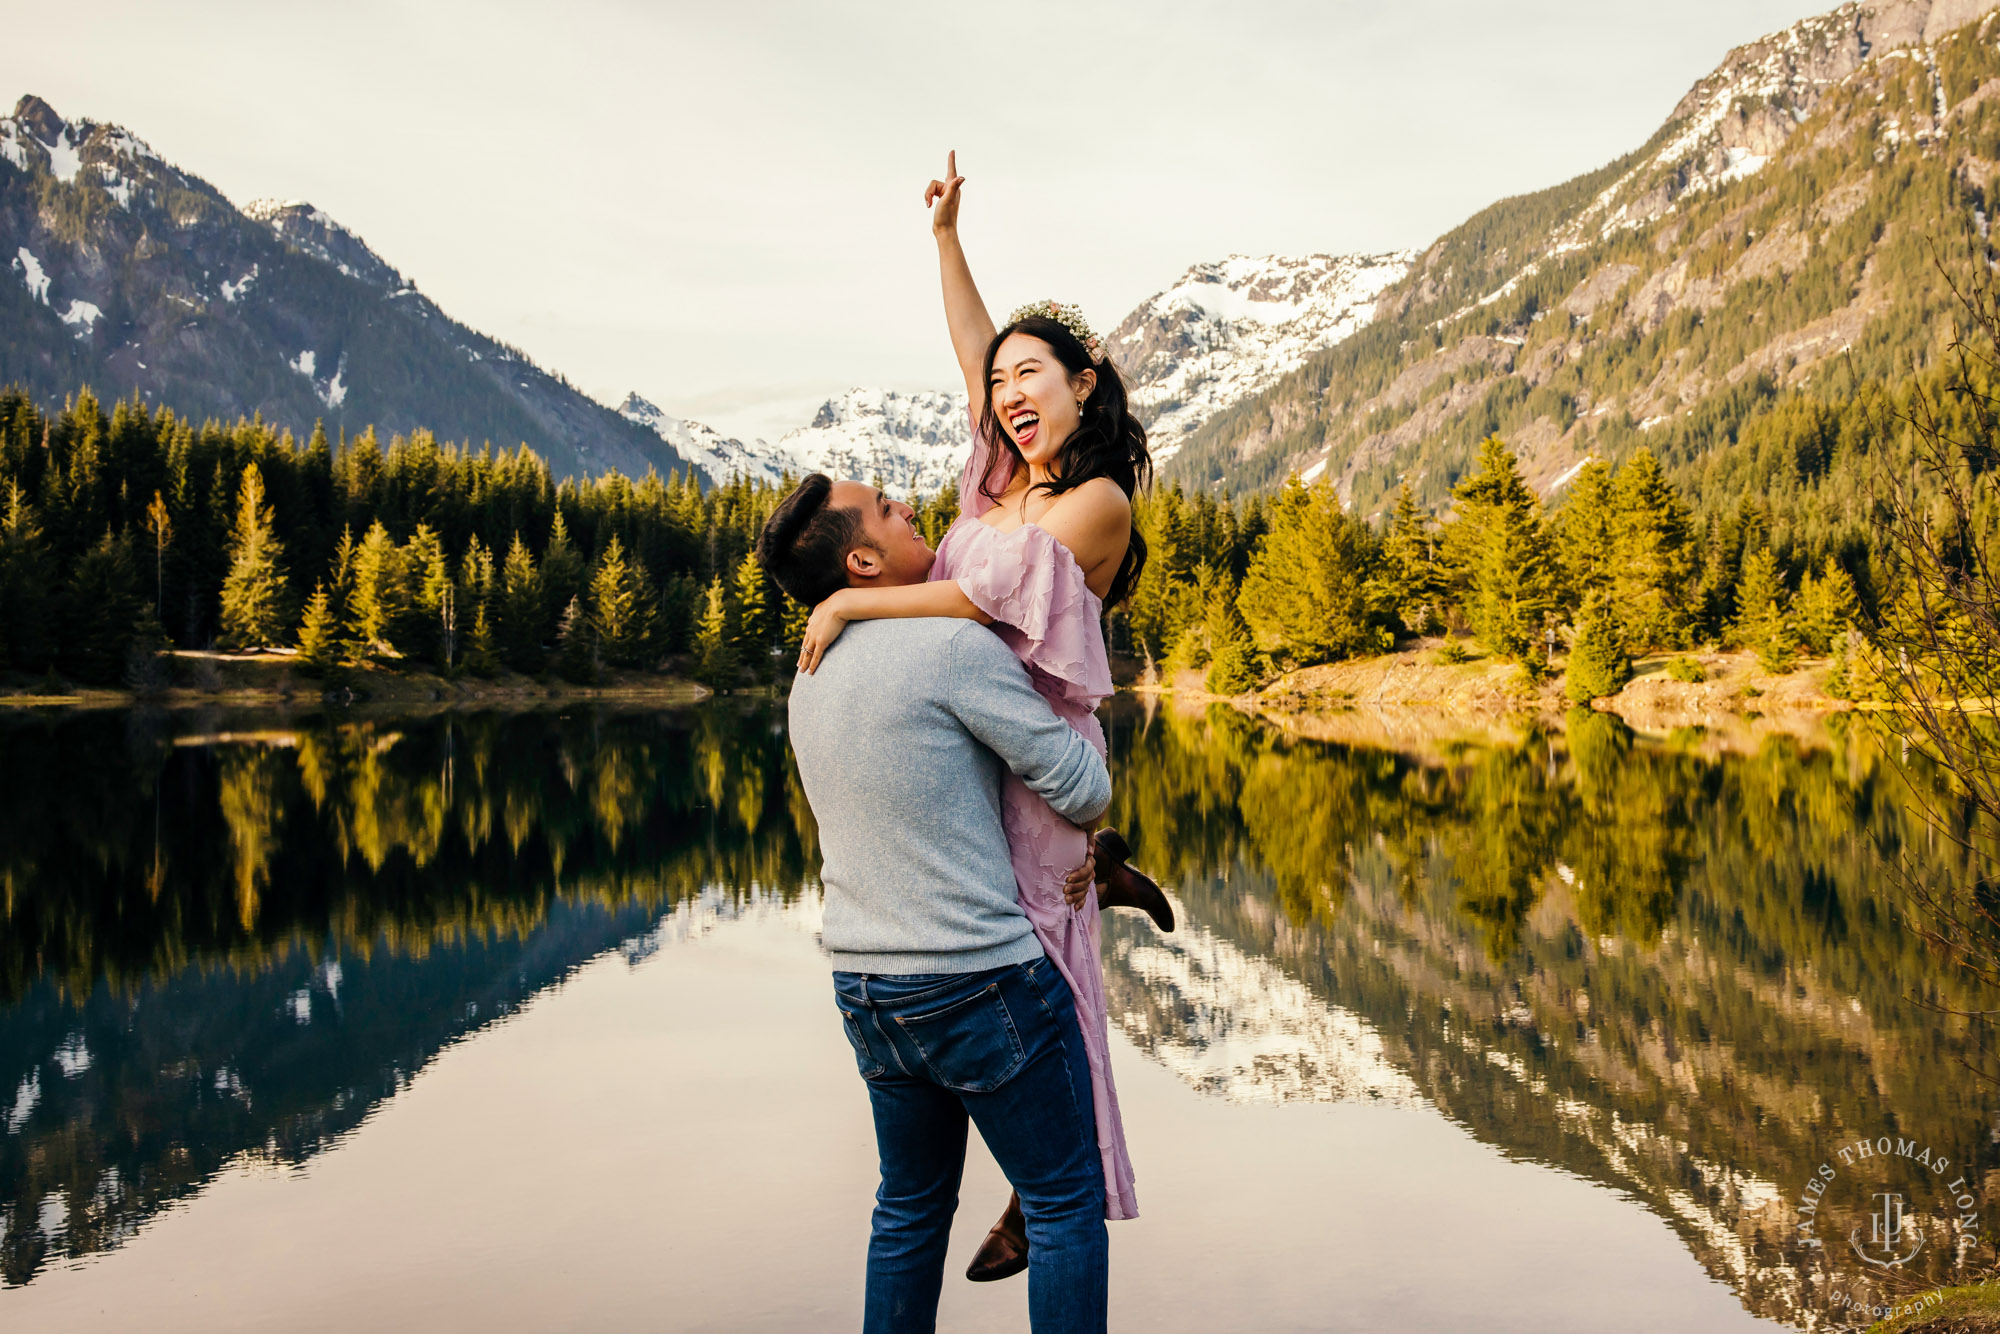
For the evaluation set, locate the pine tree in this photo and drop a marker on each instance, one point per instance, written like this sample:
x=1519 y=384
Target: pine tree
x=1598 y=663
x=253 y=594
x=26 y=580
x=792 y=631
x=576 y=645
x=1501 y=555
x=481 y=658
x=340 y=591
x=1653 y=556
x=1762 y=625
x=319 y=633
x=520 y=609
x=614 y=607
x=424 y=575
x=753 y=617
x=1306 y=594
x=376 y=600
x=1826 y=608
x=435 y=602
x=1584 y=533
x=103 y=604
x=1232 y=666
x=716 y=664
x=160 y=527
x=1409 y=580
x=562 y=575
x=477 y=586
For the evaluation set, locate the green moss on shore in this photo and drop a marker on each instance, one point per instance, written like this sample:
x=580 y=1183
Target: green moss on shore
x=1969 y=1310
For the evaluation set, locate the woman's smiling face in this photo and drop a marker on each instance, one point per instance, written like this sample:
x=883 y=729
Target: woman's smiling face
x=1034 y=396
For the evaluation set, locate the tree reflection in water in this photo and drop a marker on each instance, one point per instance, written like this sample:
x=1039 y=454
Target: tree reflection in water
x=1666 y=966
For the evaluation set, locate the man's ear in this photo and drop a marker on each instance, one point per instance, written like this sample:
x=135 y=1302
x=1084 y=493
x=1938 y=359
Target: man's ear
x=864 y=563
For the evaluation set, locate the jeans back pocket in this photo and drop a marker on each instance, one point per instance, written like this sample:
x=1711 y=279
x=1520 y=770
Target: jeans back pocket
x=863 y=1057
x=971 y=1045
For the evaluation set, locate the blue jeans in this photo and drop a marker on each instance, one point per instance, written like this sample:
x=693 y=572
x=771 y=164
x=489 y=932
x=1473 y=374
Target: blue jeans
x=1002 y=1048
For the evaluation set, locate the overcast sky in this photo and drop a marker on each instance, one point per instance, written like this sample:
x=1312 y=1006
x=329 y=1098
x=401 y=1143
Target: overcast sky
x=719 y=204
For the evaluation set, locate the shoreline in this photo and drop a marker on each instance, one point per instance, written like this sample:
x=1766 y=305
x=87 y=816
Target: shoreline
x=1734 y=687
x=206 y=679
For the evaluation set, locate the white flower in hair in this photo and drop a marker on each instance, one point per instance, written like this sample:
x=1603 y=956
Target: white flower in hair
x=1068 y=316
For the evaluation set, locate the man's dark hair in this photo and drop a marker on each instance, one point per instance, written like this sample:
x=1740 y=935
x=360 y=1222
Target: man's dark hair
x=805 y=542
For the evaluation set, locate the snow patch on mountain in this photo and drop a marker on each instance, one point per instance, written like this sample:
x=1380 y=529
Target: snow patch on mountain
x=335 y=392
x=915 y=443
x=1232 y=327
x=64 y=160
x=82 y=313
x=231 y=291
x=33 y=274
x=70 y=146
x=724 y=459
x=312 y=230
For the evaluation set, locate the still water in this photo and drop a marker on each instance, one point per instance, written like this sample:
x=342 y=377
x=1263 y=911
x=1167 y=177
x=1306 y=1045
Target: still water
x=518 y=1022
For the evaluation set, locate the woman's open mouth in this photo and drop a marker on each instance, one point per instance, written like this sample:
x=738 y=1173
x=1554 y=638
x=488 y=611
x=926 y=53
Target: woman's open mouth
x=1025 y=425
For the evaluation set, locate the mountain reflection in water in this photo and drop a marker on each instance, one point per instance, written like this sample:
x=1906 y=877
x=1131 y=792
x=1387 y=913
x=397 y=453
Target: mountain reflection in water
x=1665 y=966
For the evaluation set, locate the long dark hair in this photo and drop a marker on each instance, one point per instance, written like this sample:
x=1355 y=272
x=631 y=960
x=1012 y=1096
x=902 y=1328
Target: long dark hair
x=1108 y=441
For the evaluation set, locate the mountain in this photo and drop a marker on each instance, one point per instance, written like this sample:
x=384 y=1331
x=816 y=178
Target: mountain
x=133 y=276
x=1223 y=331
x=718 y=456
x=1781 y=217
x=916 y=443
x=1229 y=329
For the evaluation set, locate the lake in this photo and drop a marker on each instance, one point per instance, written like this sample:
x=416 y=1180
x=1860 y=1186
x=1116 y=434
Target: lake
x=519 y=1022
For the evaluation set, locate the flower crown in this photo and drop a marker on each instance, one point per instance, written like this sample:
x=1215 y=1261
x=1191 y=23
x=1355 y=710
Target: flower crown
x=1069 y=317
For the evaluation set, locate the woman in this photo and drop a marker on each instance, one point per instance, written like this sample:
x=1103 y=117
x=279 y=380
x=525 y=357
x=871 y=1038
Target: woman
x=1044 y=541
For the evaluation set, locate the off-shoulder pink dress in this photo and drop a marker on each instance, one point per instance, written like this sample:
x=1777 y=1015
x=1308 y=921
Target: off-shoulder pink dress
x=1034 y=590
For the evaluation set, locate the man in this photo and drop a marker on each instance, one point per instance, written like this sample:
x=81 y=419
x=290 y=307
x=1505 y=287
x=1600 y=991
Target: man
x=951 y=1007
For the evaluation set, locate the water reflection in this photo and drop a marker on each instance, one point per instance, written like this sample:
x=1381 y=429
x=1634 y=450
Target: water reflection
x=230 y=941
x=1668 y=967
x=1664 y=966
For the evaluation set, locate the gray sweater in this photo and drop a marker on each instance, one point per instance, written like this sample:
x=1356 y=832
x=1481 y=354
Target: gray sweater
x=902 y=736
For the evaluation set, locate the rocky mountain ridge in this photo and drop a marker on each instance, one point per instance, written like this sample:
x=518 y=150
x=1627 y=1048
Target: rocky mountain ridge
x=915 y=443
x=1773 y=222
x=1222 y=331
x=137 y=278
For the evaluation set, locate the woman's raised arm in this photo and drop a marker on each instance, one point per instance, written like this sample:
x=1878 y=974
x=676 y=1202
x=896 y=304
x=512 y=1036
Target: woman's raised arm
x=964 y=312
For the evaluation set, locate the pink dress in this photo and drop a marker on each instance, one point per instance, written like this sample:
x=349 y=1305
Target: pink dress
x=1032 y=587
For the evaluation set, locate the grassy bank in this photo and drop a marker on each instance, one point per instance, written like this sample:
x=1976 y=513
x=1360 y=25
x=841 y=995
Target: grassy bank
x=197 y=677
x=1423 y=678
x=1971 y=1310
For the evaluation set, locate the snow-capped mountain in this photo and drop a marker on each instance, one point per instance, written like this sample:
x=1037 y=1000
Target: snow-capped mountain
x=1230 y=328
x=916 y=443
x=122 y=272
x=1222 y=332
x=720 y=456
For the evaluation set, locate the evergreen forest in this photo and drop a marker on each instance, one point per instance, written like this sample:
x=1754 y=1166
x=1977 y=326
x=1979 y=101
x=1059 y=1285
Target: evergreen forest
x=126 y=532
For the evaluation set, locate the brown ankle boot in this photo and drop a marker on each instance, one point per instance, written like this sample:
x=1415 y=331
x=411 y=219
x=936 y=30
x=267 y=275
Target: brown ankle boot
x=1004 y=1253
x=1120 y=885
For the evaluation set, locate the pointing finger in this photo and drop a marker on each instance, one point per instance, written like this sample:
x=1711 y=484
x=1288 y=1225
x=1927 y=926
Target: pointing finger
x=951 y=163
